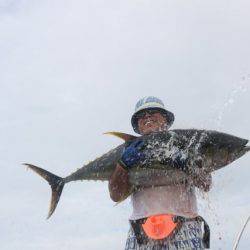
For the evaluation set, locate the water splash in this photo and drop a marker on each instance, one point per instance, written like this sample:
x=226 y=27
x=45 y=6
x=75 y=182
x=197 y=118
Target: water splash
x=217 y=123
x=231 y=99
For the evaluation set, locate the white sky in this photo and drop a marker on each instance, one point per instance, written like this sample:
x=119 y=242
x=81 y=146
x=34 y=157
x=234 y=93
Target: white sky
x=71 y=70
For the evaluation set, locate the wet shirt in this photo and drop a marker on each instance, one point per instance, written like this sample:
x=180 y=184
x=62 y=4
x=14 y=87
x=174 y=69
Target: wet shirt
x=178 y=200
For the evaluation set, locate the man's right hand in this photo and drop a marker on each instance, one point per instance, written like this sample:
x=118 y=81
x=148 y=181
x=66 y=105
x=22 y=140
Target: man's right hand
x=132 y=154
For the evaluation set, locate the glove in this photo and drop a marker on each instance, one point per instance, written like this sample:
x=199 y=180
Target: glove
x=132 y=154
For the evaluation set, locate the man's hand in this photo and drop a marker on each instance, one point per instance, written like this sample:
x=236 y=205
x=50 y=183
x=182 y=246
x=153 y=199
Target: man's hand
x=119 y=181
x=132 y=154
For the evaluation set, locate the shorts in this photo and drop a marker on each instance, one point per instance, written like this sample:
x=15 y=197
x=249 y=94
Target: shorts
x=188 y=237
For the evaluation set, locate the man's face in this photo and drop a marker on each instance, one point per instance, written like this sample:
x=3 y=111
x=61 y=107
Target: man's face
x=151 y=122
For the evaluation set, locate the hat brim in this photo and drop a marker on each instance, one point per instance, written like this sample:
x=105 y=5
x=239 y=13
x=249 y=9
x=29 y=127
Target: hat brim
x=169 y=116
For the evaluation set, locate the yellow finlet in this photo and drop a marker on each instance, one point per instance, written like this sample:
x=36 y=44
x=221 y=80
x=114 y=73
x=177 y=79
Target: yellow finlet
x=124 y=136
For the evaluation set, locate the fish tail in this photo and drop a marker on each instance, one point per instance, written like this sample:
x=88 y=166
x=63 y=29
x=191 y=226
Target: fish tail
x=56 y=184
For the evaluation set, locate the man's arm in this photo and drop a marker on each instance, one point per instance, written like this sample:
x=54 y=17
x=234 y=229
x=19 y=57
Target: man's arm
x=119 y=183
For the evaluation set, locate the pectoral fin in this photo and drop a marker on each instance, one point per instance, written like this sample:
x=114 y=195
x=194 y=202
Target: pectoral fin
x=125 y=137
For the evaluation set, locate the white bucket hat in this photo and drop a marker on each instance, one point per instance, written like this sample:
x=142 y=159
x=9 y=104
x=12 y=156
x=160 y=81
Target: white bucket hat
x=150 y=103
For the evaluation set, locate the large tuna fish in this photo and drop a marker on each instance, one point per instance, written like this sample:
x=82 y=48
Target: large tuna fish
x=200 y=151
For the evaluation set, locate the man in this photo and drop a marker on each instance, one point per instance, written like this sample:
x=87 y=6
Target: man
x=163 y=217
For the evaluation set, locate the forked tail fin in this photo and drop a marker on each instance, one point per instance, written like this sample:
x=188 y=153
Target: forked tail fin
x=56 y=183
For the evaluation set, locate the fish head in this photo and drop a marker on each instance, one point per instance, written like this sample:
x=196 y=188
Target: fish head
x=218 y=157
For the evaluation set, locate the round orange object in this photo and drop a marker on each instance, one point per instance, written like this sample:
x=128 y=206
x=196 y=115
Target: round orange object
x=159 y=226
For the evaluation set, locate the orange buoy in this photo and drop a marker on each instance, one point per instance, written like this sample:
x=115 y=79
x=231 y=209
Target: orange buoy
x=159 y=226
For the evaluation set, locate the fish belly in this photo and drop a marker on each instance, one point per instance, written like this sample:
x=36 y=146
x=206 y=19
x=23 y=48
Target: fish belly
x=148 y=177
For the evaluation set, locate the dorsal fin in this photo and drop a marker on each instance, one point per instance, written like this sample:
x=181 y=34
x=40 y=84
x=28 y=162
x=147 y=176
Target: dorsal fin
x=124 y=136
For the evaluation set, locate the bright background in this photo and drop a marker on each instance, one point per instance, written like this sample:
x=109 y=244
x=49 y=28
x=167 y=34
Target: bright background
x=71 y=70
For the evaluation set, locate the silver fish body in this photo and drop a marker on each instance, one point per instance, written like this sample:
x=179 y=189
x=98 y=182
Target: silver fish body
x=203 y=152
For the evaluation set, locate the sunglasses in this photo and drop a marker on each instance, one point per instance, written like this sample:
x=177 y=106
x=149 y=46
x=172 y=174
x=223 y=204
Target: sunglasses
x=142 y=114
